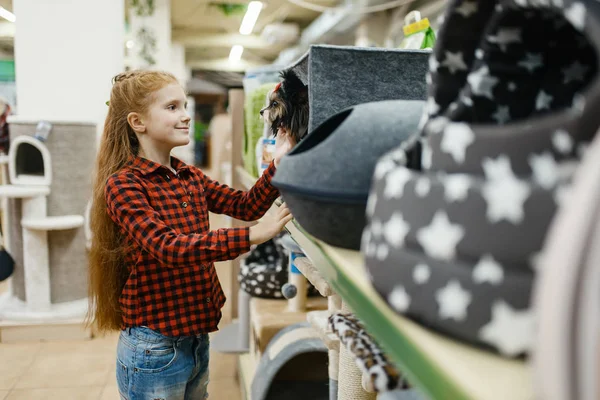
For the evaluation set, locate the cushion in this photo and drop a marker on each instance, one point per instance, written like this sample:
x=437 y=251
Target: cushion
x=325 y=179
x=456 y=222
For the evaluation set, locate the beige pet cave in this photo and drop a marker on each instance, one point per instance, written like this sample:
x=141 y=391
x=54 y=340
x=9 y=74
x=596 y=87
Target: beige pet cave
x=50 y=185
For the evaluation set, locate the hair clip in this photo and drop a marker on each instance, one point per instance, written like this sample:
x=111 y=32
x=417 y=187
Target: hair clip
x=107 y=103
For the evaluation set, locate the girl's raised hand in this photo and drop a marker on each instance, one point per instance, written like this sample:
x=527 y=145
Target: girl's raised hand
x=270 y=225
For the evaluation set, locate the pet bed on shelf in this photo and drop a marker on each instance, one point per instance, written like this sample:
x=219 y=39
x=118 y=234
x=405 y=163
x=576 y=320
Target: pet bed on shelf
x=513 y=99
x=325 y=179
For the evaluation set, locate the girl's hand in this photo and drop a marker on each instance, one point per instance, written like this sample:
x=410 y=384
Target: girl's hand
x=270 y=225
x=283 y=144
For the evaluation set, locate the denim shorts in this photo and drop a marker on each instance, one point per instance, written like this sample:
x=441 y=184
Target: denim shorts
x=151 y=366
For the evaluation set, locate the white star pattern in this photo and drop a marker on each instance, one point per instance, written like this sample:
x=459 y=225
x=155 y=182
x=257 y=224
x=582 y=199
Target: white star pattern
x=396 y=230
x=545 y=171
x=531 y=62
x=467 y=101
x=376 y=228
x=371 y=203
x=383 y=167
x=506 y=36
x=394 y=183
x=482 y=83
x=457 y=137
x=467 y=8
x=382 y=252
x=456 y=187
x=421 y=274
x=426 y=156
x=422 y=187
x=576 y=15
x=543 y=100
x=578 y=104
x=488 y=270
x=502 y=114
x=575 y=72
x=479 y=54
x=504 y=194
x=440 y=237
x=399 y=299
x=562 y=141
x=454 y=62
x=510 y=330
x=512 y=86
x=433 y=63
x=432 y=106
x=453 y=301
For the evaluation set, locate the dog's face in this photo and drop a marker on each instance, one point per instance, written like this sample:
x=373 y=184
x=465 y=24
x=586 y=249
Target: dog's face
x=288 y=106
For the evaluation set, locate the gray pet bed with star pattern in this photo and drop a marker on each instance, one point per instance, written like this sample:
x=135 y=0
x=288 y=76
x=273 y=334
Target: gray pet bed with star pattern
x=456 y=222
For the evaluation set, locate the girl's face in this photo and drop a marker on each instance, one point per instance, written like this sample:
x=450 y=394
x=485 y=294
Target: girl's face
x=167 y=121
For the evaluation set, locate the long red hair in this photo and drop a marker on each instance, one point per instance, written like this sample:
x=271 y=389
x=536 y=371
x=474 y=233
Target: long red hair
x=131 y=92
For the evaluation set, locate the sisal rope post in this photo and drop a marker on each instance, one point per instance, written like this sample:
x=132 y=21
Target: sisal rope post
x=350 y=377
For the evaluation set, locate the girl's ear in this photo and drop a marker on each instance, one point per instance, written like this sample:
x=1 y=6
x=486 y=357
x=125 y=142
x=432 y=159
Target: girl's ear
x=135 y=121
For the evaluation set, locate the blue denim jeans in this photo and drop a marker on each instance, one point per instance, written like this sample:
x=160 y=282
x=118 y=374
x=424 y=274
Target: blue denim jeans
x=151 y=366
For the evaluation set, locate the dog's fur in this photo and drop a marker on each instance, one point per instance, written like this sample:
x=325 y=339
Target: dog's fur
x=288 y=106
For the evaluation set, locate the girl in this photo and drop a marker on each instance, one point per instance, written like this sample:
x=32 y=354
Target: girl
x=151 y=263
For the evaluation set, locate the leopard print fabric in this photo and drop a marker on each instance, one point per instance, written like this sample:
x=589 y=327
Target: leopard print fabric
x=369 y=357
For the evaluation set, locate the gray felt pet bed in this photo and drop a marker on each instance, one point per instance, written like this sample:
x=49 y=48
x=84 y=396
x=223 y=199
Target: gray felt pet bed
x=325 y=179
x=293 y=366
x=339 y=77
x=513 y=101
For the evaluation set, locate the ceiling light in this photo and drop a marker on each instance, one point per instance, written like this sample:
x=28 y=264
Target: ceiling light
x=235 y=54
x=4 y=13
x=250 y=18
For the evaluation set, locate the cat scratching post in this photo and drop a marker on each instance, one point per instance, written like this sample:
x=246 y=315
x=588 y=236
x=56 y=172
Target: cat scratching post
x=350 y=377
x=49 y=285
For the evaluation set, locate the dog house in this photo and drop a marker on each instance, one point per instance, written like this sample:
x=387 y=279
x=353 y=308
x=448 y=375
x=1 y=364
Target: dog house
x=50 y=186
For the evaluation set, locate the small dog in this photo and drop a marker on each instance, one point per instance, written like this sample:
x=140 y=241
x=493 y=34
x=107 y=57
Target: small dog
x=288 y=106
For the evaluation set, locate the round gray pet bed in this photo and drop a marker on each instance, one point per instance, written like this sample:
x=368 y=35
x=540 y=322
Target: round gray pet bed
x=293 y=366
x=453 y=241
x=325 y=179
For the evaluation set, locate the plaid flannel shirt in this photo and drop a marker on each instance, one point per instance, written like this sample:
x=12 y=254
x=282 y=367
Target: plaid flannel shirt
x=172 y=285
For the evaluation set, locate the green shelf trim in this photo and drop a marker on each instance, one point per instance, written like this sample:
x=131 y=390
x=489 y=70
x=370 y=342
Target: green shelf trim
x=418 y=368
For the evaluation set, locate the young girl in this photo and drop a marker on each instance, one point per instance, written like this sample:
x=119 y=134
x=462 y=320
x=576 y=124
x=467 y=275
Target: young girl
x=151 y=264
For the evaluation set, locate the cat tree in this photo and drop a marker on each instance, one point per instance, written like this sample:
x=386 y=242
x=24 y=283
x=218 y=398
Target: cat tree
x=49 y=285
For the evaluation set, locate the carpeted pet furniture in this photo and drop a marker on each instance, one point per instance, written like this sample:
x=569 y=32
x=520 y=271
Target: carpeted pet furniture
x=457 y=221
x=339 y=77
x=47 y=199
x=293 y=366
x=325 y=179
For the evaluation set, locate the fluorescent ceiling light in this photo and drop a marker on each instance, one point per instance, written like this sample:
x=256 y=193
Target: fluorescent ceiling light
x=4 y=13
x=235 y=54
x=250 y=18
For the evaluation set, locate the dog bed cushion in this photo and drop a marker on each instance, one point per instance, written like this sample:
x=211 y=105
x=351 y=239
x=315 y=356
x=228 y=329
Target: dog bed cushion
x=264 y=272
x=325 y=179
x=513 y=100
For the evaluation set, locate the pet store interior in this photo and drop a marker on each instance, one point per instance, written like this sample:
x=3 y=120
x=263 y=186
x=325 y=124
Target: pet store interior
x=443 y=238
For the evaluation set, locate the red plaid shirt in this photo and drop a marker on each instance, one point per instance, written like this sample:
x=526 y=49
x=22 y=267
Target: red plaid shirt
x=173 y=286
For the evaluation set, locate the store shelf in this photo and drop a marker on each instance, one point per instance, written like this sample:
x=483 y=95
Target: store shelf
x=441 y=367
x=245 y=178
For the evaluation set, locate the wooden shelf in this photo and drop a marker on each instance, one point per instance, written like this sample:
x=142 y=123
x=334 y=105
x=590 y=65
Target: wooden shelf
x=440 y=367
